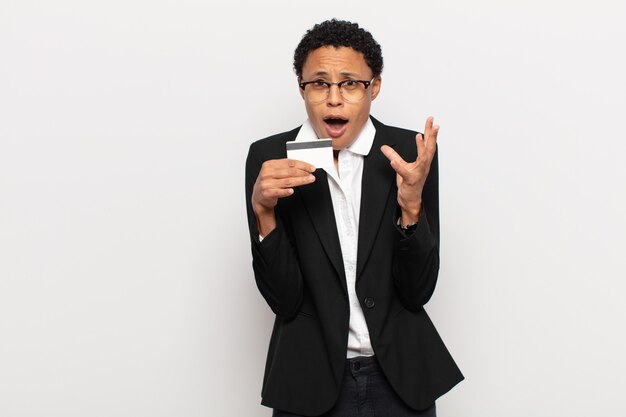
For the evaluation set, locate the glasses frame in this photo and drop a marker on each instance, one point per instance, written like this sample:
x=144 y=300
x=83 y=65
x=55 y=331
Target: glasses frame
x=339 y=84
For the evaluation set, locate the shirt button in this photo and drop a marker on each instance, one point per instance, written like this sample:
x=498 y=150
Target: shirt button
x=369 y=302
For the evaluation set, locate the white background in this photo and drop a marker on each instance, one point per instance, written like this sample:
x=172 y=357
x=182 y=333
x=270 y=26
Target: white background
x=126 y=285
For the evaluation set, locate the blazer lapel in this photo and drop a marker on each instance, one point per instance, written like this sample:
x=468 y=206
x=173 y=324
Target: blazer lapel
x=378 y=178
x=319 y=205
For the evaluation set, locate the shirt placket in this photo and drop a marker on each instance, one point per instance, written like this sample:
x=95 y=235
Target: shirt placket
x=350 y=229
x=346 y=170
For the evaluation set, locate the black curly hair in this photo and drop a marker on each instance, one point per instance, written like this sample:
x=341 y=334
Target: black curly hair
x=339 y=33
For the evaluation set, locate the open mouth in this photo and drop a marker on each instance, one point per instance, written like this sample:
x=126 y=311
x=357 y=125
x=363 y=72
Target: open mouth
x=335 y=125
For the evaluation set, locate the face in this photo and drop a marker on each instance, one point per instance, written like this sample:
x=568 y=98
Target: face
x=335 y=118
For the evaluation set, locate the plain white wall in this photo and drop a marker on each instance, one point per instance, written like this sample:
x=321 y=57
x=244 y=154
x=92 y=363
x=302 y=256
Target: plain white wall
x=126 y=286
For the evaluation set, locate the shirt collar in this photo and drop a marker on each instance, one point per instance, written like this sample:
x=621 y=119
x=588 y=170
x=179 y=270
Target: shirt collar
x=362 y=144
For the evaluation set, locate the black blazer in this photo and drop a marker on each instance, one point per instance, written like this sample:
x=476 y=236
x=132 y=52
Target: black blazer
x=299 y=271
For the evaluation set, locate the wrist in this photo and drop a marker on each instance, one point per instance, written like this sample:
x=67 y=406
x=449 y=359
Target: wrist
x=262 y=211
x=407 y=229
x=410 y=216
x=265 y=220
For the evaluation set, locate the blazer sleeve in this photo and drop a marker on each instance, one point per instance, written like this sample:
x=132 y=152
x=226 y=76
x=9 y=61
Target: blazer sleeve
x=274 y=260
x=415 y=265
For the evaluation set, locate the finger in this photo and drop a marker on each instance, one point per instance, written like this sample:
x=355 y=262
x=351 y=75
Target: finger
x=430 y=137
x=296 y=181
x=286 y=173
x=428 y=126
x=294 y=163
x=274 y=193
x=420 y=142
x=431 y=143
x=391 y=154
x=426 y=148
x=285 y=163
x=397 y=163
x=283 y=183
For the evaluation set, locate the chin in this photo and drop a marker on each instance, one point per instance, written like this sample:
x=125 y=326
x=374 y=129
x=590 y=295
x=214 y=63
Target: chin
x=340 y=143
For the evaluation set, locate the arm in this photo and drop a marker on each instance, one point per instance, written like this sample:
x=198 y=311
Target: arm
x=274 y=260
x=416 y=256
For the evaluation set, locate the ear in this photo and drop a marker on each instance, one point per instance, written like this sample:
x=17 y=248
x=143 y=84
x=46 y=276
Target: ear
x=299 y=89
x=376 y=87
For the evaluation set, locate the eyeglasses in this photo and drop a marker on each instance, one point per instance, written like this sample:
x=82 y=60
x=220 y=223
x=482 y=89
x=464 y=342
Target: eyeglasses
x=352 y=91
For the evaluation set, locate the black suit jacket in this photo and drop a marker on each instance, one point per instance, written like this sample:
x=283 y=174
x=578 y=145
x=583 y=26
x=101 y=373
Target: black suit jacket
x=299 y=271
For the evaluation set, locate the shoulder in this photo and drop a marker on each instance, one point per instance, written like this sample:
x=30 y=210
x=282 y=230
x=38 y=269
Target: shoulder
x=393 y=131
x=273 y=147
x=402 y=140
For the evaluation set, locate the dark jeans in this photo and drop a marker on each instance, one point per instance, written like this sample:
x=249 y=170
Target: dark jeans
x=366 y=393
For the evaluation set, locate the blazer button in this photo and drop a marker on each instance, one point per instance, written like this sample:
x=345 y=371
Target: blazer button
x=369 y=302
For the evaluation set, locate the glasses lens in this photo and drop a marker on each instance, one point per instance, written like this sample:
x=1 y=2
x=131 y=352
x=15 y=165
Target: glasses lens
x=352 y=91
x=316 y=92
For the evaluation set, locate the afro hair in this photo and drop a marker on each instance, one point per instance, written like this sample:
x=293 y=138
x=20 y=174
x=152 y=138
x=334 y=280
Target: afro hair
x=339 y=33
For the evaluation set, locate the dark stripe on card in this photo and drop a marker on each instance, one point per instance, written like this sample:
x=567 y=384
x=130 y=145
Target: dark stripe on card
x=292 y=146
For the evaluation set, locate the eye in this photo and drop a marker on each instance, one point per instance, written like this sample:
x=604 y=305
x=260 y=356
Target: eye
x=350 y=84
x=319 y=84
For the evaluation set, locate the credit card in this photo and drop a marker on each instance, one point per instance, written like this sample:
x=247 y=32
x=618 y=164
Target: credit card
x=317 y=152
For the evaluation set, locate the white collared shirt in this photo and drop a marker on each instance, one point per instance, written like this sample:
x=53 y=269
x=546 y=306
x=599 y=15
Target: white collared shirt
x=345 y=192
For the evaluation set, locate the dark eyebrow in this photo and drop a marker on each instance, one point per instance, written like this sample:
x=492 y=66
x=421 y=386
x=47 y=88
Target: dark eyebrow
x=323 y=73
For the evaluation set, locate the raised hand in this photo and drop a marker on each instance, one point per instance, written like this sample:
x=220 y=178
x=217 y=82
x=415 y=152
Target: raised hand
x=411 y=176
x=277 y=179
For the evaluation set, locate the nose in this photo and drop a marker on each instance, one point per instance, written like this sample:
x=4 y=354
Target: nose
x=334 y=96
